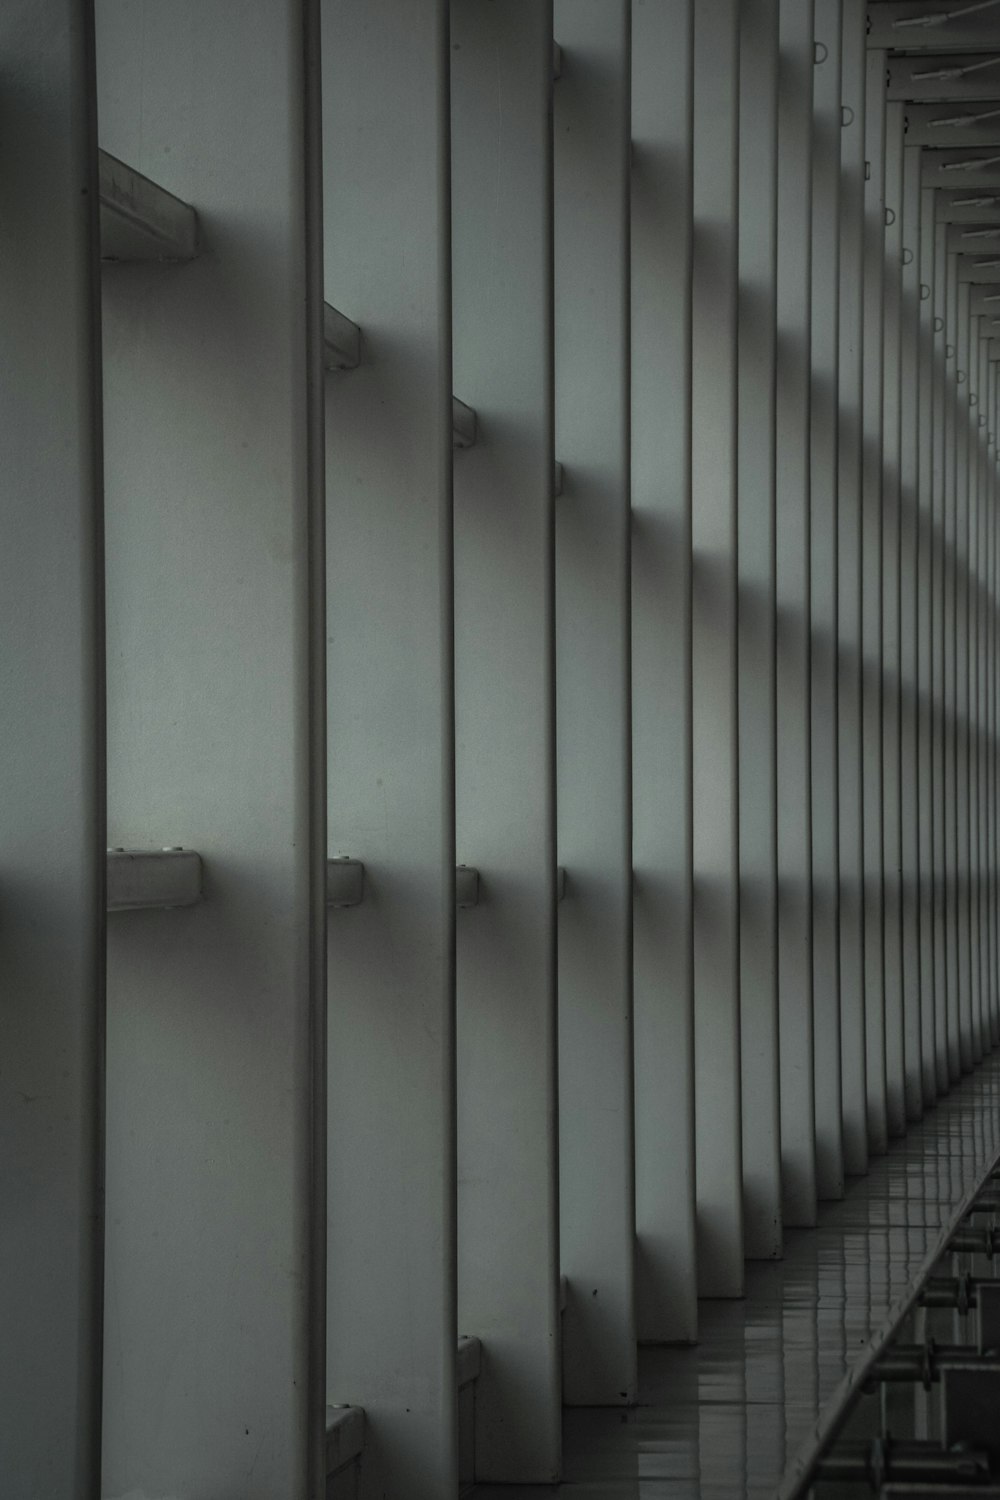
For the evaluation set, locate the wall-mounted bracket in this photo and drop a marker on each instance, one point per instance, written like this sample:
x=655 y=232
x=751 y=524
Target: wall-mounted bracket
x=345 y=1436
x=345 y=882
x=464 y=425
x=341 y=340
x=466 y=887
x=140 y=221
x=469 y=1360
x=148 y=879
x=342 y=351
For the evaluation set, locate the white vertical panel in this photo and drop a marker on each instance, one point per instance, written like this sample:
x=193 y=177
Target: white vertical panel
x=871 y=600
x=969 y=419
x=392 y=1314
x=792 y=643
x=986 y=955
x=213 y=391
x=854 y=1098
x=596 y=1184
x=950 y=791
x=993 y=722
x=993 y=768
x=714 y=694
x=983 y=423
x=980 y=814
x=508 y=1266
x=986 y=743
x=51 y=760
x=666 y=1283
x=984 y=427
x=963 y=940
x=990 y=710
x=985 y=695
x=823 y=586
x=972 y=719
x=985 y=688
x=993 y=728
x=927 y=610
x=985 y=737
x=993 y=758
x=892 y=916
x=939 y=565
x=758 y=250
x=909 y=634
x=989 y=733
x=994 y=689
x=988 y=438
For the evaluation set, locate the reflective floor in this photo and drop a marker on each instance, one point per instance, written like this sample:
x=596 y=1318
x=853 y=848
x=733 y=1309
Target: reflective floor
x=721 y=1419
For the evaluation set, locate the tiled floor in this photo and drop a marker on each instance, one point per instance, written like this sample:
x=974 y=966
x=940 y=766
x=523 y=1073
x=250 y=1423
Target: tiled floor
x=721 y=1419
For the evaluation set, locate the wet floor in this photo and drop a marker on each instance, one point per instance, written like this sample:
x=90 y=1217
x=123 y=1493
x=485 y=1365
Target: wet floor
x=722 y=1419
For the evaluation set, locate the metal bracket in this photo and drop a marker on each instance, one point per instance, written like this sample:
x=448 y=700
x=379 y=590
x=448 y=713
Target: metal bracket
x=464 y=425
x=153 y=879
x=341 y=340
x=345 y=1436
x=469 y=1360
x=140 y=221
